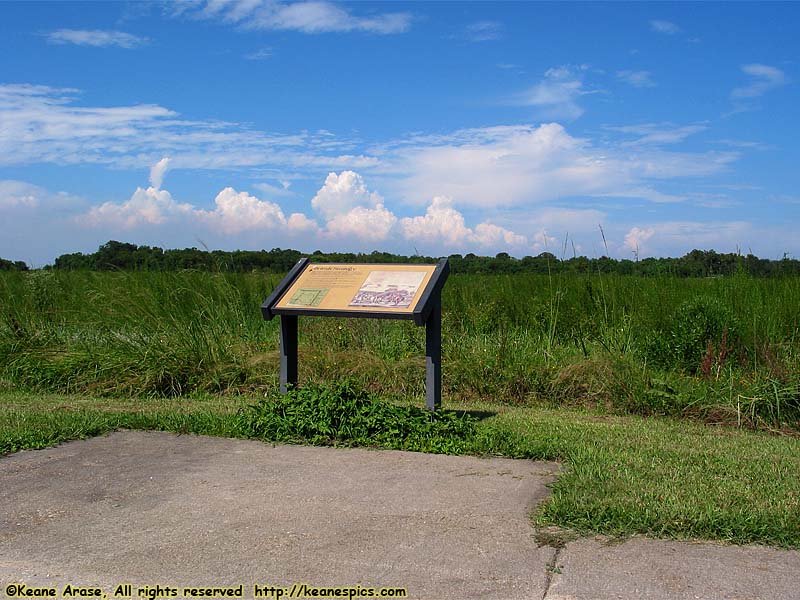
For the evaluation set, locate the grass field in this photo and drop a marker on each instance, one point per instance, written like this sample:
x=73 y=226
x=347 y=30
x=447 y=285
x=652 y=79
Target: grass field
x=674 y=404
x=722 y=350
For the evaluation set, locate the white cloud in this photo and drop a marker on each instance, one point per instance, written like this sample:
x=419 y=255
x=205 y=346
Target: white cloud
x=157 y=172
x=440 y=224
x=233 y=213
x=274 y=190
x=649 y=194
x=524 y=165
x=483 y=31
x=299 y=223
x=19 y=194
x=343 y=192
x=96 y=37
x=367 y=224
x=636 y=237
x=149 y=206
x=260 y=54
x=43 y=125
x=491 y=235
x=444 y=227
x=666 y=27
x=550 y=226
x=763 y=78
x=482 y=167
x=639 y=79
x=542 y=242
x=239 y=211
x=659 y=133
x=518 y=167
x=568 y=220
x=555 y=96
x=306 y=17
x=678 y=237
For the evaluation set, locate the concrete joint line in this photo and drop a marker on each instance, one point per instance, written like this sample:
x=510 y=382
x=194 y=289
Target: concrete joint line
x=551 y=570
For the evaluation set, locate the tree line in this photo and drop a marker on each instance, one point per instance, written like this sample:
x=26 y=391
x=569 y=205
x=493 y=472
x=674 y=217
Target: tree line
x=114 y=255
x=17 y=265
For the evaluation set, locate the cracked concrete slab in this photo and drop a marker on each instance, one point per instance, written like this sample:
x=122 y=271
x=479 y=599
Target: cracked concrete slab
x=594 y=569
x=154 y=508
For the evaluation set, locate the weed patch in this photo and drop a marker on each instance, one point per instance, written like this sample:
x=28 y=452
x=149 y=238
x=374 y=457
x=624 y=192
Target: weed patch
x=343 y=414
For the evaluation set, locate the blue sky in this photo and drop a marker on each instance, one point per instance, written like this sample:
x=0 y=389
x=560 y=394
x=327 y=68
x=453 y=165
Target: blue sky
x=431 y=128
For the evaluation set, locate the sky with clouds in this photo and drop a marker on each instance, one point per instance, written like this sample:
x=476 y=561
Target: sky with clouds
x=432 y=128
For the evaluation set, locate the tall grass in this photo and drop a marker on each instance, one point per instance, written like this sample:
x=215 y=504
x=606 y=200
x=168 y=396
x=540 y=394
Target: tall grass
x=721 y=349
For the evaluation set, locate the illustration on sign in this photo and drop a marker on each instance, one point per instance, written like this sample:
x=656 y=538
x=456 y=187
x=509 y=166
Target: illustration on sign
x=307 y=297
x=389 y=289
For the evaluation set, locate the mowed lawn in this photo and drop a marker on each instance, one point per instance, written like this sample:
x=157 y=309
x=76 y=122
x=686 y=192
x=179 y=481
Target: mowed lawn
x=621 y=475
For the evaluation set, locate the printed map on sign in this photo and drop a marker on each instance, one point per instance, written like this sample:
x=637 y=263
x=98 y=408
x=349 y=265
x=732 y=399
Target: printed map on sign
x=389 y=289
x=307 y=297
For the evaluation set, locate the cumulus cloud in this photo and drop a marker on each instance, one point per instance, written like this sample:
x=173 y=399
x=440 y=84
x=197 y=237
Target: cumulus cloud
x=300 y=223
x=490 y=235
x=442 y=225
x=95 y=37
x=667 y=27
x=343 y=192
x=157 y=172
x=367 y=224
x=636 y=237
x=239 y=211
x=763 y=78
x=234 y=212
x=313 y=16
x=556 y=95
x=149 y=206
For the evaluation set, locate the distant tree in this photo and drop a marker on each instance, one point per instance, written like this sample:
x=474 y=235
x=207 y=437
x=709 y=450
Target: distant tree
x=17 y=265
x=697 y=263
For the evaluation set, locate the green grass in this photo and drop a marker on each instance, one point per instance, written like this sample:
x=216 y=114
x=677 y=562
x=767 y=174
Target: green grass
x=621 y=475
x=721 y=350
x=660 y=477
x=568 y=365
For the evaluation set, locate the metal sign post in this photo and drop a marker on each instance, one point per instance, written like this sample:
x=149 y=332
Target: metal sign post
x=433 y=356
x=288 y=352
x=376 y=291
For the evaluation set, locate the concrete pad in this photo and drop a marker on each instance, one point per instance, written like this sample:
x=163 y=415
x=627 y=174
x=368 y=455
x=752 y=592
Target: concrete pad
x=593 y=569
x=154 y=508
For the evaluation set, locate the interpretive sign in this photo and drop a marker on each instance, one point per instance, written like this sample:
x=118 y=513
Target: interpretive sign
x=377 y=291
x=364 y=288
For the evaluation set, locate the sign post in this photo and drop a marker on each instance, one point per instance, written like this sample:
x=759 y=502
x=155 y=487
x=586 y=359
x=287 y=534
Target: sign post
x=376 y=291
x=433 y=356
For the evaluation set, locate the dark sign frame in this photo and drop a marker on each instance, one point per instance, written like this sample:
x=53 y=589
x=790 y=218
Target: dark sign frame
x=427 y=312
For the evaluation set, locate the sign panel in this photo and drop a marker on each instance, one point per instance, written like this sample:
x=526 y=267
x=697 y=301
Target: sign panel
x=357 y=288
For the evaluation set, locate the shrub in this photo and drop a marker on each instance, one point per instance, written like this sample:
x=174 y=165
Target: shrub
x=700 y=331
